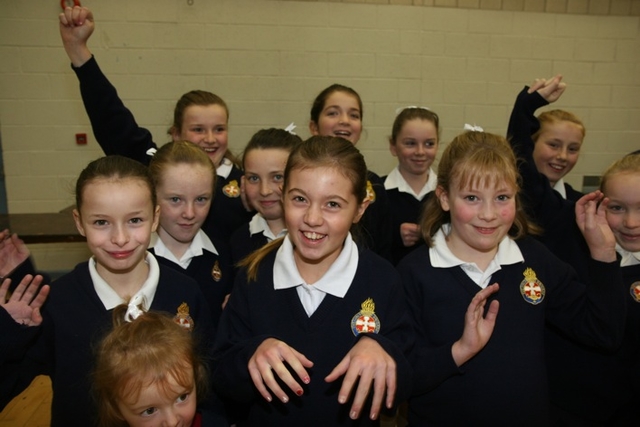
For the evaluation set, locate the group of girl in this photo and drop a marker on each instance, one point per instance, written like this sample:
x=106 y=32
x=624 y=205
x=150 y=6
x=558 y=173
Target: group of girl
x=319 y=329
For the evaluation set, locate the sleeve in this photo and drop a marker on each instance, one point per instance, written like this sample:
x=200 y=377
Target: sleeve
x=432 y=364
x=592 y=314
x=113 y=125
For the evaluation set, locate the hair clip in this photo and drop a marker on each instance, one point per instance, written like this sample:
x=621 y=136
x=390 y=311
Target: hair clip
x=401 y=109
x=290 y=128
x=133 y=309
x=473 y=127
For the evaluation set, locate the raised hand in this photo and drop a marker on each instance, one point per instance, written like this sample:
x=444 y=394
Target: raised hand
x=477 y=327
x=13 y=252
x=374 y=368
x=76 y=26
x=550 y=89
x=591 y=218
x=25 y=301
x=410 y=233
x=268 y=361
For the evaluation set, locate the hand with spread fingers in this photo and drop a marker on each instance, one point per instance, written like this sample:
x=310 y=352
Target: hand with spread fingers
x=26 y=300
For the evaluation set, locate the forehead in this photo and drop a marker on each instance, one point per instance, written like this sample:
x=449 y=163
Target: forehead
x=319 y=179
x=114 y=194
x=266 y=158
x=205 y=114
x=570 y=130
x=343 y=100
x=419 y=125
x=186 y=176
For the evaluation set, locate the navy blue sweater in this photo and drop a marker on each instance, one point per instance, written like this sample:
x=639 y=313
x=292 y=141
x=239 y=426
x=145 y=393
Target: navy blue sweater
x=74 y=321
x=256 y=311
x=506 y=383
x=243 y=243
x=117 y=132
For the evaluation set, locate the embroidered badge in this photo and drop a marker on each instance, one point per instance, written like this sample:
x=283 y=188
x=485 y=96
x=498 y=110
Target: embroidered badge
x=216 y=273
x=635 y=291
x=531 y=288
x=365 y=321
x=182 y=318
x=231 y=189
x=371 y=193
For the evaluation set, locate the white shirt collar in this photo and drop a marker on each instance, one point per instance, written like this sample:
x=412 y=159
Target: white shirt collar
x=199 y=243
x=560 y=188
x=628 y=258
x=110 y=298
x=336 y=281
x=258 y=225
x=225 y=168
x=442 y=257
x=396 y=180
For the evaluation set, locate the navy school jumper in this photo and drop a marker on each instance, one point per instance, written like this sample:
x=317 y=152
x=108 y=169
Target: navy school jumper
x=117 y=132
x=256 y=311
x=74 y=321
x=242 y=243
x=505 y=384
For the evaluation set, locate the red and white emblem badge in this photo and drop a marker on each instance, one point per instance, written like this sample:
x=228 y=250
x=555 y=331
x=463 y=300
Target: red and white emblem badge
x=232 y=189
x=183 y=318
x=531 y=288
x=635 y=291
x=365 y=321
x=371 y=193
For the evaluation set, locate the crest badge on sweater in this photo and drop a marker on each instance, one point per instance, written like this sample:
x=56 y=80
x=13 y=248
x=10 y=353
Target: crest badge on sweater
x=635 y=291
x=183 y=318
x=232 y=189
x=365 y=321
x=531 y=288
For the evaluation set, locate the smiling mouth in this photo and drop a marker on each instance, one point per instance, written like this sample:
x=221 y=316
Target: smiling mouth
x=485 y=230
x=121 y=254
x=342 y=133
x=313 y=236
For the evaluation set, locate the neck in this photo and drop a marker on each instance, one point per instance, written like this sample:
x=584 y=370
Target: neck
x=416 y=182
x=177 y=248
x=125 y=283
x=275 y=225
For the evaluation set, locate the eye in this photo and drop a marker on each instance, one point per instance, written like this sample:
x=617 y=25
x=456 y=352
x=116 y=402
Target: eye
x=202 y=199
x=409 y=143
x=574 y=149
x=503 y=197
x=355 y=116
x=100 y=222
x=430 y=144
x=136 y=220
x=252 y=178
x=174 y=199
x=298 y=199
x=220 y=129
x=333 y=205
x=197 y=129
x=278 y=177
x=615 y=208
x=182 y=397
x=471 y=198
x=149 y=411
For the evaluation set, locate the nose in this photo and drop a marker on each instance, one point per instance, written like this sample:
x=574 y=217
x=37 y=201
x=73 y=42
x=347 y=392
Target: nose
x=189 y=210
x=265 y=188
x=488 y=211
x=171 y=419
x=632 y=219
x=209 y=136
x=421 y=149
x=344 y=118
x=120 y=235
x=562 y=153
x=313 y=216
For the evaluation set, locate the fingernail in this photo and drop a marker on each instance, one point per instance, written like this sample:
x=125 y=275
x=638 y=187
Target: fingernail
x=353 y=415
x=342 y=399
x=285 y=399
x=373 y=415
x=268 y=398
x=299 y=392
x=306 y=380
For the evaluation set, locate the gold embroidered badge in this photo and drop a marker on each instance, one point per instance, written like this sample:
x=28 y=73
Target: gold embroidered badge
x=531 y=288
x=371 y=193
x=232 y=189
x=365 y=321
x=216 y=273
x=183 y=318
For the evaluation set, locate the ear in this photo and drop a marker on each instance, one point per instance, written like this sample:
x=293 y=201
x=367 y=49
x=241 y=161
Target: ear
x=78 y=221
x=361 y=209
x=313 y=128
x=392 y=148
x=156 y=218
x=175 y=134
x=443 y=198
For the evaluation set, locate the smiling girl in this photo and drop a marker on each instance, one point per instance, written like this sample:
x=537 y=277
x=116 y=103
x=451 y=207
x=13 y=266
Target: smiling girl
x=316 y=328
x=476 y=234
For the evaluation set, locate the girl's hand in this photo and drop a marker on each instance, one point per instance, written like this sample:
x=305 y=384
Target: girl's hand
x=591 y=218
x=13 y=252
x=550 y=89
x=477 y=327
x=372 y=366
x=410 y=233
x=25 y=301
x=268 y=360
x=76 y=26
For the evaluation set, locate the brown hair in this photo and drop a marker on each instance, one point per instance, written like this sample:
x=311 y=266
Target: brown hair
x=152 y=349
x=412 y=113
x=176 y=153
x=555 y=116
x=321 y=100
x=627 y=164
x=474 y=159
x=317 y=152
x=114 y=168
x=203 y=98
x=272 y=138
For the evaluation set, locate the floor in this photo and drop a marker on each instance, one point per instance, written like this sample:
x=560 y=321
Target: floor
x=31 y=408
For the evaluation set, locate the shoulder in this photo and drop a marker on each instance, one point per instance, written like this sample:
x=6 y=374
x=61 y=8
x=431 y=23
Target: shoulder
x=372 y=264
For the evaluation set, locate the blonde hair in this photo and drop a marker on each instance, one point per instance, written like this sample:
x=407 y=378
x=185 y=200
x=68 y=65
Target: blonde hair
x=628 y=164
x=316 y=152
x=475 y=159
x=152 y=349
x=555 y=116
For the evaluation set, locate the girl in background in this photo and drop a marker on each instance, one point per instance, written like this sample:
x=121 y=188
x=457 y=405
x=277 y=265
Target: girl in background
x=185 y=181
x=199 y=117
x=264 y=159
x=337 y=111
x=414 y=141
x=315 y=324
x=476 y=233
x=149 y=373
x=116 y=211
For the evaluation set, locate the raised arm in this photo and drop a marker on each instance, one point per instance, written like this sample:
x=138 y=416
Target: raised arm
x=113 y=124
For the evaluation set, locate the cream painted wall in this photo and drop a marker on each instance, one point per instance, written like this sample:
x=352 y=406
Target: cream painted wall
x=268 y=59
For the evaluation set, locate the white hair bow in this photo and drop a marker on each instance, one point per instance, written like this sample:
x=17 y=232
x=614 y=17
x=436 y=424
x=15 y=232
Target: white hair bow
x=133 y=309
x=290 y=128
x=401 y=109
x=473 y=127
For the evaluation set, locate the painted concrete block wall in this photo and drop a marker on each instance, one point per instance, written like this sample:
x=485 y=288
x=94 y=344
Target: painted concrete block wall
x=268 y=59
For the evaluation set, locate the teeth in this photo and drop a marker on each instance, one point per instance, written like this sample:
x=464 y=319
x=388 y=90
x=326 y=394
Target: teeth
x=313 y=235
